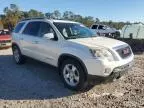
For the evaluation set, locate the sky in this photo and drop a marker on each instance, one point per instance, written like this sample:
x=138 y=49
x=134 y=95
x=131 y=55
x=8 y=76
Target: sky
x=116 y=10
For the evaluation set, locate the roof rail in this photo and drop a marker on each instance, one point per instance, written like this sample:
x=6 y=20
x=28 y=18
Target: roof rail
x=33 y=18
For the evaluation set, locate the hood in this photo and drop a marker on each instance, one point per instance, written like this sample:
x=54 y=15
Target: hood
x=5 y=37
x=98 y=41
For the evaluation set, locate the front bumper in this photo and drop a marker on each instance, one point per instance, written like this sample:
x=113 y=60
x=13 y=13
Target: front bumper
x=105 y=68
x=116 y=73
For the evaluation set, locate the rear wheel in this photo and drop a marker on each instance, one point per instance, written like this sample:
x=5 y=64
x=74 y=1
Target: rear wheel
x=18 y=57
x=73 y=75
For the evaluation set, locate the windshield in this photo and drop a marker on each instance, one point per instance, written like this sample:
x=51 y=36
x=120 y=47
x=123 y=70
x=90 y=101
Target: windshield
x=74 y=30
x=3 y=32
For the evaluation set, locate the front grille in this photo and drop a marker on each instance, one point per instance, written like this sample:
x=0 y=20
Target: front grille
x=5 y=41
x=124 y=52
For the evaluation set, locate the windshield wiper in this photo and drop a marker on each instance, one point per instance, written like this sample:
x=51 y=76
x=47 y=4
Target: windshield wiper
x=71 y=37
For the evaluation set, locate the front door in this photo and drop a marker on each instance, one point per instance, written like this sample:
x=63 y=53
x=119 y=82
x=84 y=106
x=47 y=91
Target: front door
x=47 y=49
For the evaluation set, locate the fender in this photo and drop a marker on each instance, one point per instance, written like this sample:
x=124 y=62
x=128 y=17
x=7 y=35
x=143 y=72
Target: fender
x=66 y=56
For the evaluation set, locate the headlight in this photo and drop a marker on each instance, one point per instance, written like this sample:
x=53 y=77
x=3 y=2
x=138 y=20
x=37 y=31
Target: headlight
x=102 y=54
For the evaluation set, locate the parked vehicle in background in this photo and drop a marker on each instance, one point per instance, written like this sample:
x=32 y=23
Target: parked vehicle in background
x=133 y=34
x=77 y=52
x=5 y=39
x=104 y=30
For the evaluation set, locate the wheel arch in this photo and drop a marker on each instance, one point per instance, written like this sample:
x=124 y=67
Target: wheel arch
x=70 y=56
x=15 y=44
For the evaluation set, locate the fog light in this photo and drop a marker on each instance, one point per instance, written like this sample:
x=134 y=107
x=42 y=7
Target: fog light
x=117 y=70
x=107 y=71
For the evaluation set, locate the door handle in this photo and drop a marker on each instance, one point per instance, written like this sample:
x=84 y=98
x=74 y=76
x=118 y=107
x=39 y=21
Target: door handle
x=35 y=42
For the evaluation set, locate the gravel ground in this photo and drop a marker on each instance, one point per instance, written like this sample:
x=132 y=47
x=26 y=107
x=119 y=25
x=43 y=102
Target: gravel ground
x=37 y=85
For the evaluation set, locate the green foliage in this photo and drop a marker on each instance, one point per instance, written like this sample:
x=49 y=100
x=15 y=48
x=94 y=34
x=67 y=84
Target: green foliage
x=1 y=25
x=35 y=13
x=13 y=14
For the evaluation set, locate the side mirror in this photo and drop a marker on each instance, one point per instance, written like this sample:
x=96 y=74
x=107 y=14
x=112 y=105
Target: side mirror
x=49 y=36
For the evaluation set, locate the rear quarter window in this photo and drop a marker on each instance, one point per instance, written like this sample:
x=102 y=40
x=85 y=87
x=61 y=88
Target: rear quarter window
x=18 y=27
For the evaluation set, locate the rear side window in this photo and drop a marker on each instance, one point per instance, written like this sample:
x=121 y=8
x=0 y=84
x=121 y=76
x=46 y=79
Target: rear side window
x=32 y=28
x=18 y=27
x=94 y=26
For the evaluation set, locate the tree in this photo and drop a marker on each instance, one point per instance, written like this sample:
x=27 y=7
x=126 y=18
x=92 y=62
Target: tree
x=56 y=14
x=97 y=20
x=48 y=15
x=14 y=7
x=1 y=25
x=35 y=13
x=68 y=15
x=25 y=15
x=88 y=21
x=77 y=18
x=12 y=16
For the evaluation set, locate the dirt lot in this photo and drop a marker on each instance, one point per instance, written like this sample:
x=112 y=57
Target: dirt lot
x=37 y=85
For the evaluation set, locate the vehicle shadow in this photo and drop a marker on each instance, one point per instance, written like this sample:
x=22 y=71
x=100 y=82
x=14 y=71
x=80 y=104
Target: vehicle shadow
x=32 y=80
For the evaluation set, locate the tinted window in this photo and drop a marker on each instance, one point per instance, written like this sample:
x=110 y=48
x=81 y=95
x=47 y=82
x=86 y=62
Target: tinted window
x=18 y=27
x=32 y=28
x=94 y=26
x=101 y=27
x=46 y=28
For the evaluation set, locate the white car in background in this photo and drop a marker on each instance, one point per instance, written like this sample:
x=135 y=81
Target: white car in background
x=104 y=30
x=73 y=48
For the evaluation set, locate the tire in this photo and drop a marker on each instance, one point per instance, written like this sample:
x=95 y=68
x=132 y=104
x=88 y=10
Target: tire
x=75 y=72
x=18 y=57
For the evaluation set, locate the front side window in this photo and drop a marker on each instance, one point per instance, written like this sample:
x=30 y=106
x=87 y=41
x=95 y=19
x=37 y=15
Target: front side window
x=74 y=30
x=32 y=28
x=46 y=28
x=18 y=27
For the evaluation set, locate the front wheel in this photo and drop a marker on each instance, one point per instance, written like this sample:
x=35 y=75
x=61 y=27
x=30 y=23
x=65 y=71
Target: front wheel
x=18 y=57
x=73 y=75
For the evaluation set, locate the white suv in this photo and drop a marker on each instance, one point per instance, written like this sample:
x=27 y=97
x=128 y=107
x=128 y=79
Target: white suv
x=73 y=48
x=104 y=30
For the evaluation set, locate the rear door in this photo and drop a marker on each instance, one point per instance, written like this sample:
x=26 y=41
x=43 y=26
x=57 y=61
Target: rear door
x=29 y=39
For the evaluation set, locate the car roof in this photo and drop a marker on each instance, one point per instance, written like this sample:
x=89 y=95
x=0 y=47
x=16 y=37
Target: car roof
x=46 y=19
